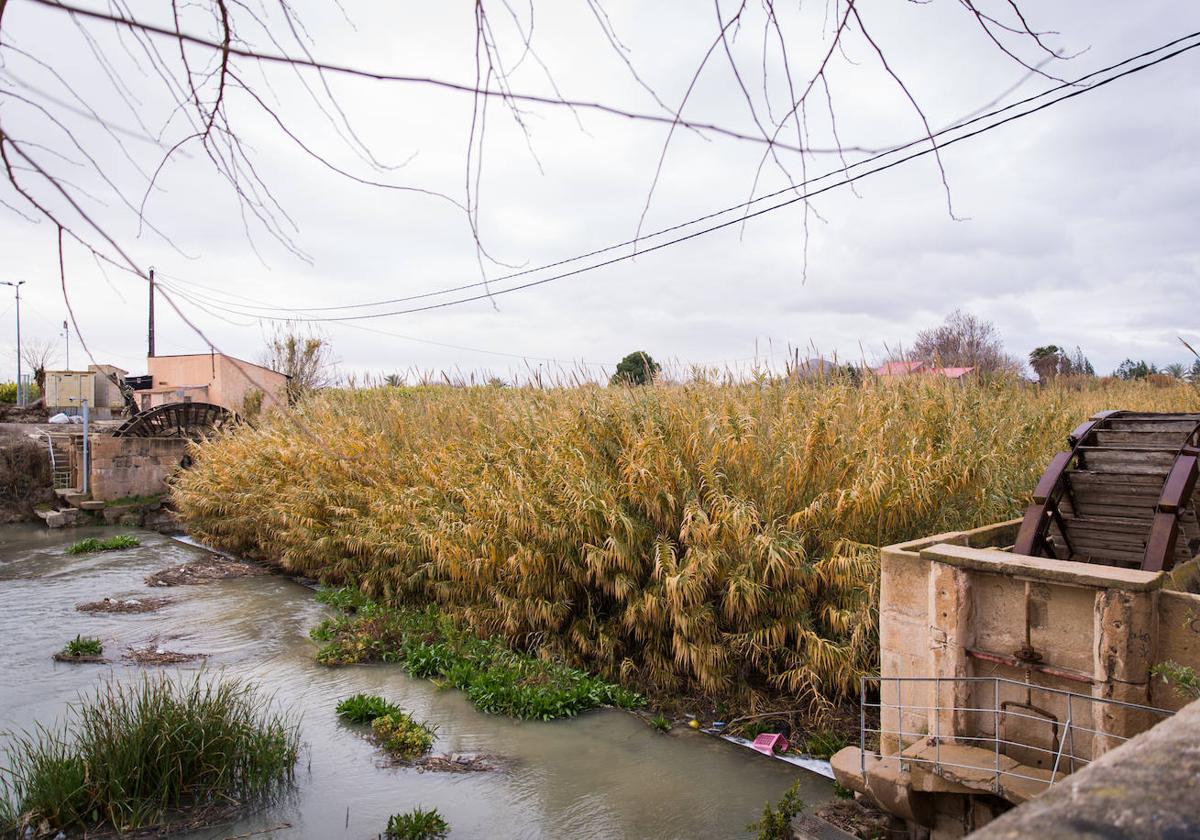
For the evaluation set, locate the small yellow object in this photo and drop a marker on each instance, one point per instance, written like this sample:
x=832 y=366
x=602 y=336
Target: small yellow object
x=695 y=724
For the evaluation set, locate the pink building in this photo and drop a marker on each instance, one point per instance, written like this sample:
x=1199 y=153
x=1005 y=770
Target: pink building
x=212 y=378
x=918 y=368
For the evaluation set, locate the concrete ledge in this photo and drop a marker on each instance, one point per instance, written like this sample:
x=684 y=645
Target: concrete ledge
x=1065 y=572
x=1146 y=788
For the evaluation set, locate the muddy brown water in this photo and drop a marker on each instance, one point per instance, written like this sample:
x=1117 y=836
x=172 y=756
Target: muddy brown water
x=604 y=774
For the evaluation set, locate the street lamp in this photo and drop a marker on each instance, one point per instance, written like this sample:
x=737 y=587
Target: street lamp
x=17 y=285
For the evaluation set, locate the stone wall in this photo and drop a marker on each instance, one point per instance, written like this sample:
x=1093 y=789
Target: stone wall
x=133 y=466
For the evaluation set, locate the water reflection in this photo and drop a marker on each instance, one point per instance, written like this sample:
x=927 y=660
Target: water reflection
x=603 y=775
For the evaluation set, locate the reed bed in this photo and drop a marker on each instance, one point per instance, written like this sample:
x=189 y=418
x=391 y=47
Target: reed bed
x=699 y=537
x=147 y=754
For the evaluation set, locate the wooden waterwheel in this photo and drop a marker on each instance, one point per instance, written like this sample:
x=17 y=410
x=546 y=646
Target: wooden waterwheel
x=1122 y=494
x=189 y=420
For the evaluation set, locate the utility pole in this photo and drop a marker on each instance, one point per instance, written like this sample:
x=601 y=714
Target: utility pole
x=151 y=342
x=17 y=285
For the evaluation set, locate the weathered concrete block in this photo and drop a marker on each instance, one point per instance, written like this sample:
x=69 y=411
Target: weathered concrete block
x=1125 y=626
x=903 y=587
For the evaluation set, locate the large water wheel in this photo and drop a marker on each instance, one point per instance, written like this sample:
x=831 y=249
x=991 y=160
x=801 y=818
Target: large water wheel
x=190 y=420
x=1123 y=494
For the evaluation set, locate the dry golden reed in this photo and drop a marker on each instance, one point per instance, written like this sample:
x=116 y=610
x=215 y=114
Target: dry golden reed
x=698 y=537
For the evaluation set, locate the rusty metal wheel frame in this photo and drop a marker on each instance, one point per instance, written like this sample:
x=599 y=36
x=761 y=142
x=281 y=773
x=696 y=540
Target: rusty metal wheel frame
x=185 y=420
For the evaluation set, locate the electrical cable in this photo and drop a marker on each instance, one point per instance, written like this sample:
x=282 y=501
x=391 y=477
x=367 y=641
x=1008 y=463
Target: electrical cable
x=747 y=204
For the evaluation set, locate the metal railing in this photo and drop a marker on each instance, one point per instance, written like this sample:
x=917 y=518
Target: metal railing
x=60 y=472
x=1061 y=754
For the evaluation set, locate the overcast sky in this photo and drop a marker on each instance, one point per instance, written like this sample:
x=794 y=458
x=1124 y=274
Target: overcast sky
x=1076 y=226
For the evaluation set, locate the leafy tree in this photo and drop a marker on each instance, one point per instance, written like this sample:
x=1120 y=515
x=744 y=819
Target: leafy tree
x=1077 y=364
x=393 y=380
x=638 y=368
x=1052 y=360
x=1194 y=373
x=1130 y=370
x=1176 y=370
x=964 y=340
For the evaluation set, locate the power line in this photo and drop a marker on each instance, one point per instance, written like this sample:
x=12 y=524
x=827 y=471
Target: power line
x=207 y=304
x=1078 y=84
x=1077 y=91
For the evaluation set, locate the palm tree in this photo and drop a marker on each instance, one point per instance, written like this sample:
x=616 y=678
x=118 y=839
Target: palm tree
x=1045 y=361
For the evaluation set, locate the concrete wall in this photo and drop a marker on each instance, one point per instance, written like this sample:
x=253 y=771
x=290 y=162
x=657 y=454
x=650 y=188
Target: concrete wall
x=952 y=607
x=123 y=467
x=237 y=378
x=227 y=380
x=107 y=394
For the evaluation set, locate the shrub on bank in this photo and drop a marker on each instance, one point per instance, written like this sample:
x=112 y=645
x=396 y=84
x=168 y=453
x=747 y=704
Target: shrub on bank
x=430 y=644
x=676 y=537
x=141 y=755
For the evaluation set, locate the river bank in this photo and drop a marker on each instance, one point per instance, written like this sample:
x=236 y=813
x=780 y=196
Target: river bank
x=604 y=774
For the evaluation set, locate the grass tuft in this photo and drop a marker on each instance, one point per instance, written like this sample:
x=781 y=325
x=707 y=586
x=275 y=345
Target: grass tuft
x=91 y=544
x=497 y=680
x=661 y=722
x=83 y=646
x=417 y=824
x=364 y=708
x=140 y=755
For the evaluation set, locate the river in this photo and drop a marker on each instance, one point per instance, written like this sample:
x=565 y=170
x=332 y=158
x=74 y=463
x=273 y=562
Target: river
x=604 y=774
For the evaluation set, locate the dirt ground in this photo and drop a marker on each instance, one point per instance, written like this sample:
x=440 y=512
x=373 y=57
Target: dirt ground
x=852 y=816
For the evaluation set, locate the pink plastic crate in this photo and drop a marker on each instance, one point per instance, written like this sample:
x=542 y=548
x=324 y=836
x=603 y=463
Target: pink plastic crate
x=769 y=744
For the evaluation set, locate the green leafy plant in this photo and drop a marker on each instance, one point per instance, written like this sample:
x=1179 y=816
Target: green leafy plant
x=417 y=824
x=429 y=644
x=841 y=791
x=824 y=743
x=776 y=821
x=661 y=722
x=138 y=755
x=1182 y=677
x=92 y=544
x=364 y=708
x=403 y=736
x=83 y=646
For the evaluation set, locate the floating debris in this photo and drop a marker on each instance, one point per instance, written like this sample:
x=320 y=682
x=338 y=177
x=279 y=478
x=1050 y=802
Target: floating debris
x=214 y=567
x=128 y=605
x=154 y=655
x=457 y=763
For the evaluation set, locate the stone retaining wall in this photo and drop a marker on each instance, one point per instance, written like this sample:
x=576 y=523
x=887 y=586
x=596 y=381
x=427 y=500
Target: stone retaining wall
x=133 y=466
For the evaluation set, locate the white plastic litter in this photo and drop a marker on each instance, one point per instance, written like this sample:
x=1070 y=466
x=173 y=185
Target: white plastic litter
x=59 y=418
